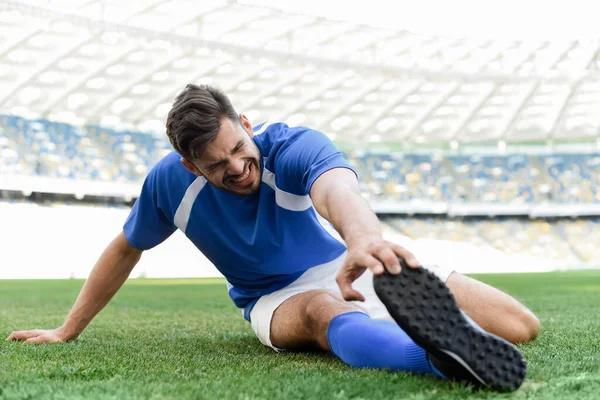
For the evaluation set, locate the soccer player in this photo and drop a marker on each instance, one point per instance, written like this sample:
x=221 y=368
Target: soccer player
x=278 y=211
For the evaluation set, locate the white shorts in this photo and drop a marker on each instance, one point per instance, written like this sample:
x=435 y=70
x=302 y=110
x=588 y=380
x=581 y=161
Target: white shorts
x=323 y=277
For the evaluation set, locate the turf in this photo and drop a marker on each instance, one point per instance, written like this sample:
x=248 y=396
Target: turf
x=182 y=339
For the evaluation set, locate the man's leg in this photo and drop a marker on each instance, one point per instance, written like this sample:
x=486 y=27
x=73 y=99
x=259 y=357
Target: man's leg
x=490 y=308
x=322 y=319
x=494 y=310
x=301 y=321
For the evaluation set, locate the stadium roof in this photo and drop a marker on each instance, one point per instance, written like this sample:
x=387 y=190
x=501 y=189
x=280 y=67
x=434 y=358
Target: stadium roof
x=120 y=64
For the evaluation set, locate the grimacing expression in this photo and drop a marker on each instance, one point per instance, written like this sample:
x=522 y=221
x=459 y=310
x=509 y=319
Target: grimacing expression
x=230 y=162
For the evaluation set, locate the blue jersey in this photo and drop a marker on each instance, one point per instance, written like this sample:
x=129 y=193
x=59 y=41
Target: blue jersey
x=261 y=242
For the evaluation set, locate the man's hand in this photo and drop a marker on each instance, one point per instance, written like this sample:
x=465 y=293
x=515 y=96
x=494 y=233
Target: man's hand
x=376 y=254
x=40 y=336
x=109 y=274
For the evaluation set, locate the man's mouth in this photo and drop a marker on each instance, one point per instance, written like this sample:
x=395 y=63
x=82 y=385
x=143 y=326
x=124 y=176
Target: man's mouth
x=245 y=179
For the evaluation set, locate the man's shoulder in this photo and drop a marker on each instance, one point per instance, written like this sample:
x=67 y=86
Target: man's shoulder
x=269 y=131
x=171 y=163
x=171 y=160
x=278 y=130
x=169 y=171
x=271 y=137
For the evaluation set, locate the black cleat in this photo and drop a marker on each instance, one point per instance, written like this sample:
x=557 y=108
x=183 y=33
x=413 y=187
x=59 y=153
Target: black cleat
x=425 y=309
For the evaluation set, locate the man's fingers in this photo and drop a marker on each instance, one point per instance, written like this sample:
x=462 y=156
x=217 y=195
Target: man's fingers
x=409 y=257
x=344 y=281
x=348 y=293
x=23 y=335
x=390 y=260
x=370 y=262
x=353 y=295
x=36 y=339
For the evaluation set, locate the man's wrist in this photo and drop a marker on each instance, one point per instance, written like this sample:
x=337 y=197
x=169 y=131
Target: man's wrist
x=362 y=237
x=67 y=334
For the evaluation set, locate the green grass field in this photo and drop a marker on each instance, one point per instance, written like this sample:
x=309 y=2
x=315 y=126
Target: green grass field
x=181 y=339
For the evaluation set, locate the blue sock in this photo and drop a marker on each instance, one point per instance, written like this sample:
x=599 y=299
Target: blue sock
x=363 y=342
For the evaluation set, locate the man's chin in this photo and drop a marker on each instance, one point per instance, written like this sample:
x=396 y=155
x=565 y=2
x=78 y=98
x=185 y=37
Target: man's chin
x=245 y=191
x=252 y=189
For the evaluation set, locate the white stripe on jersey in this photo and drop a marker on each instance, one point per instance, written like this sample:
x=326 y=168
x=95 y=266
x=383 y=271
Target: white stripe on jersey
x=182 y=215
x=286 y=200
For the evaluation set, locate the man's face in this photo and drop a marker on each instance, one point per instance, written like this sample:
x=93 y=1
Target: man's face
x=231 y=162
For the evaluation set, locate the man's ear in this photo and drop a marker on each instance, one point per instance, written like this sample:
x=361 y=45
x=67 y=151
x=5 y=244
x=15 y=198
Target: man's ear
x=190 y=167
x=247 y=125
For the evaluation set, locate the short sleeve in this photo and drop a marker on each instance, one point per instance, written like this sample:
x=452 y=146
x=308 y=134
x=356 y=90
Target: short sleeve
x=306 y=155
x=147 y=225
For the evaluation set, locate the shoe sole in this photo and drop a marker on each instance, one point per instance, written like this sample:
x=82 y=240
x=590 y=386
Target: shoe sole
x=426 y=310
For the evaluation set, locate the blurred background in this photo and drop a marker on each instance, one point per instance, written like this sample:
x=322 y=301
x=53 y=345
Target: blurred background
x=474 y=127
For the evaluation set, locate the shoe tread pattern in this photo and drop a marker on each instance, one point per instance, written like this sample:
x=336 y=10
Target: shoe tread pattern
x=426 y=310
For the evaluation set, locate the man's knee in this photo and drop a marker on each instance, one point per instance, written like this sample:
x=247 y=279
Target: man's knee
x=321 y=308
x=530 y=326
x=494 y=310
x=522 y=326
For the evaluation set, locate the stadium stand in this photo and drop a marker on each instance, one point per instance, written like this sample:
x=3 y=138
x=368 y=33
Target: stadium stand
x=52 y=149
x=510 y=178
x=49 y=149
x=61 y=150
x=565 y=240
x=436 y=101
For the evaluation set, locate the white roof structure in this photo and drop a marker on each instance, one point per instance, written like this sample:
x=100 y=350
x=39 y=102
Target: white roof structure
x=120 y=64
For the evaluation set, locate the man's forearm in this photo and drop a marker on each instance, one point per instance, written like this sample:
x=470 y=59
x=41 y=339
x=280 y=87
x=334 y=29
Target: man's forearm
x=336 y=196
x=351 y=215
x=108 y=275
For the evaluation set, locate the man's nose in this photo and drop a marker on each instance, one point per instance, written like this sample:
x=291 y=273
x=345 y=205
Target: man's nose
x=236 y=167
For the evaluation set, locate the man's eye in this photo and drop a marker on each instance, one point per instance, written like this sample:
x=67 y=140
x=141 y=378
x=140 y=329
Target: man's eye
x=240 y=147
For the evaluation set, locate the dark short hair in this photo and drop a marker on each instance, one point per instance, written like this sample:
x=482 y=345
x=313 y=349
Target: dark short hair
x=195 y=119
